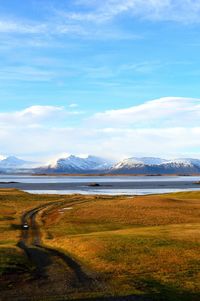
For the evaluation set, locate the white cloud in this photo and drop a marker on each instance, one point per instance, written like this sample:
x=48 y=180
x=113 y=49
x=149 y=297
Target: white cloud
x=26 y=73
x=115 y=143
x=10 y=26
x=41 y=28
x=169 y=142
x=167 y=127
x=73 y=105
x=34 y=116
x=163 y=112
x=186 y=11
x=77 y=21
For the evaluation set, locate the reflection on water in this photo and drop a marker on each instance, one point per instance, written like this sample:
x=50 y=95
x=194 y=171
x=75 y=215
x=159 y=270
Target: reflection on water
x=111 y=191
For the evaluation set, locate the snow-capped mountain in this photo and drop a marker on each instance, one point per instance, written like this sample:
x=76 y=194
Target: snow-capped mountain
x=92 y=164
x=13 y=162
x=75 y=164
x=2 y=157
x=139 y=162
x=150 y=160
x=133 y=165
x=151 y=165
x=187 y=161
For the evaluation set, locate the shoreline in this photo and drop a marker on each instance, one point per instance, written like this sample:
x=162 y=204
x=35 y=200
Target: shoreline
x=97 y=175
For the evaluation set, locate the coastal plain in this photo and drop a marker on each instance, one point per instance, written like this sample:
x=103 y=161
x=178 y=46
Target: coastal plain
x=100 y=247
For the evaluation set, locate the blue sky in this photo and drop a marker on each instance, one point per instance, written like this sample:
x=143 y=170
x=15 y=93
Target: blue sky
x=87 y=58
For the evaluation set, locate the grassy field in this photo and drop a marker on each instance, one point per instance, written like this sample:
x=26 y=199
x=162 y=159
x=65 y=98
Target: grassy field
x=13 y=204
x=146 y=246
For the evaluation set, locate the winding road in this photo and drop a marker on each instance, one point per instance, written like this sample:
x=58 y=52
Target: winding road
x=43 y=257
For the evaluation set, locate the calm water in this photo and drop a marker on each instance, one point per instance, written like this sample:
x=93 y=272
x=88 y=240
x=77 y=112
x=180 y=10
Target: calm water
x=111 y=191
x=95 y=179
x=107 y=185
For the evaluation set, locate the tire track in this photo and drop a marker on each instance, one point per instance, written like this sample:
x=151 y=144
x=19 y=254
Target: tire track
x=41 y=256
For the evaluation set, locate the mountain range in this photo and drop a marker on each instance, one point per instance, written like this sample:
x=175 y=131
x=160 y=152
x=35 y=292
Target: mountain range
x=13 y=162
x=92 y=165
x=76 y=164
x=149 y=165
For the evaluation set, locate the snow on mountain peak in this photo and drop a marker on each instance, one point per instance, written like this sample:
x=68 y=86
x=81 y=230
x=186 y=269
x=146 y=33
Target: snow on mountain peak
x=69 y=163
x=2 y=157
x=128 y=163
x=80 y=163
x=185 y=162
x=135 y=162
x=14 y=162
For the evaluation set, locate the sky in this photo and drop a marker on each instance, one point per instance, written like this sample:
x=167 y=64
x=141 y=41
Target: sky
x=113 y=78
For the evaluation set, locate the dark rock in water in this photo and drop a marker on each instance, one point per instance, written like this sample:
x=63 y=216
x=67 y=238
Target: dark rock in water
x=94 y=185
x=12 y=182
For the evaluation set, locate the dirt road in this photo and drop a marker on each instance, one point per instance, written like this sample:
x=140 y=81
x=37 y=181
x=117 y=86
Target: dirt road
x=53 y=273
x=42 y=256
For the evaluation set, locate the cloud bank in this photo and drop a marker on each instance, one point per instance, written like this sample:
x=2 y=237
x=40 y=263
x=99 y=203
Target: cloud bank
x=162 y=127
x=164 y=112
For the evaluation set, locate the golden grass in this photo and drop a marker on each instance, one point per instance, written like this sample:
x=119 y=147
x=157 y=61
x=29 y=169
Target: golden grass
x=135 y=245
x=13 y=204
x=133 y=241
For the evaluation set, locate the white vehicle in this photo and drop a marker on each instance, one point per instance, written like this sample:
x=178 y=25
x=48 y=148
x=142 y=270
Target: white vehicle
x=25 y=226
